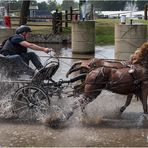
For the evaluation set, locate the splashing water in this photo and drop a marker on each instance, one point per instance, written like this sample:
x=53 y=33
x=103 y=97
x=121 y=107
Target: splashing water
x=7 y=103
x=85 y=10
x=90 y=120
x=142 y=120
x=57 y=116
x=6 y=91
x=132 y=7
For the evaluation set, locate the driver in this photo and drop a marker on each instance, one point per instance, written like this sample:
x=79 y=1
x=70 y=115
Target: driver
x=15 y=48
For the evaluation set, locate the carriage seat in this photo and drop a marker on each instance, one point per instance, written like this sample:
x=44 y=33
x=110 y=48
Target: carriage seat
x=46 y=72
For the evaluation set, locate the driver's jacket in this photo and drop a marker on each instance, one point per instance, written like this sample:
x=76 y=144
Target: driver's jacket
x=12 y=46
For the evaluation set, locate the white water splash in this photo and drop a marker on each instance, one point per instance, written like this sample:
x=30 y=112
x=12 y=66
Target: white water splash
x=132 y=7
x=85 y=10
x=142 y=120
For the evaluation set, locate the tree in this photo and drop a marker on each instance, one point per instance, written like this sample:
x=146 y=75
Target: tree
x=24 y=12
x=141 y=4
x=15 y=5
x=43 y=6
x=106 y=5
x=52 y=5
x=67 y=4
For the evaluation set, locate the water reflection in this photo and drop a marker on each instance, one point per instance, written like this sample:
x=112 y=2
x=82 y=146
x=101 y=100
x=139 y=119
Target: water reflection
x=65 y=51
x=105 y=52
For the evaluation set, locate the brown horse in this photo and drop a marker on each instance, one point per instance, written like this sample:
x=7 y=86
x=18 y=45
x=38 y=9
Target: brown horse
x=88 y=65
x=125 y=81
x=119 y=81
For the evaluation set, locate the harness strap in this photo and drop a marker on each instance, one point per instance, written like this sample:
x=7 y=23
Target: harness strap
x=137 y=82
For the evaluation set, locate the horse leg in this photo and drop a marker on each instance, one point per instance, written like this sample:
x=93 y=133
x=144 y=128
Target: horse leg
x=143 y=99
x=84 y=101
x=81 y=103
x=128 y=101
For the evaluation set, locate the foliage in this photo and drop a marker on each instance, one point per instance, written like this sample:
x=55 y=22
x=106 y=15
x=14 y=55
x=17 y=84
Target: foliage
x=52 y=5
x=15 y=5
x=100 y=5
x=141 y=4
x=106 y=5
x=67 y=4
x=43 y=6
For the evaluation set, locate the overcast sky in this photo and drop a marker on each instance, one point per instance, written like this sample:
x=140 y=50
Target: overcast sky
x=59 y=1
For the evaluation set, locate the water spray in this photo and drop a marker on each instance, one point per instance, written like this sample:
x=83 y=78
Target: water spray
x=82 y=7
x=132 y=7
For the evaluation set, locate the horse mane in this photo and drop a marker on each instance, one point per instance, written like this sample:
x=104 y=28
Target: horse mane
x=141 y=55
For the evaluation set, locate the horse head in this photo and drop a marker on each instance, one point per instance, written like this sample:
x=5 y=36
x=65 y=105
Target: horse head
x=140 y=56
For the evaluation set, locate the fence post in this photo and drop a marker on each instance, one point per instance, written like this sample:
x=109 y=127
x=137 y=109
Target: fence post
x=145 y=11
x=60 y=23
x=66 y=18
x=71 y=13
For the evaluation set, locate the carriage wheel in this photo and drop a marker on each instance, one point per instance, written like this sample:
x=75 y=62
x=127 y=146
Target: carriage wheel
x=30 y=103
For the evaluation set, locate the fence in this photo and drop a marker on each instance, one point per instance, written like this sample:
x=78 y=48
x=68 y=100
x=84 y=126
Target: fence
x=57 y=21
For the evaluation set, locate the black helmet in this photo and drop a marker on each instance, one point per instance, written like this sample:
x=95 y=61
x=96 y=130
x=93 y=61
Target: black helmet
x=22 y=29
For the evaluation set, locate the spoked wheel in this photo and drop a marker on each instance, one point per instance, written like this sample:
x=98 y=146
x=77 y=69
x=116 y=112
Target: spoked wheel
x=30 y=102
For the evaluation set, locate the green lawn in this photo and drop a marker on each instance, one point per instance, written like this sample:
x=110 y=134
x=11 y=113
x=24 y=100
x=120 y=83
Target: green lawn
x=104 y=29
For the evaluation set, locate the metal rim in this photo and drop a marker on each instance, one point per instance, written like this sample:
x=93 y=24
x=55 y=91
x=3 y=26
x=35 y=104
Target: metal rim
x=30 y=102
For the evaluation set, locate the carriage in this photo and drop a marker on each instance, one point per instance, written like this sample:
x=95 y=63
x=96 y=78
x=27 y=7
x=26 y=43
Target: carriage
x=34 y=89
x=35 y=93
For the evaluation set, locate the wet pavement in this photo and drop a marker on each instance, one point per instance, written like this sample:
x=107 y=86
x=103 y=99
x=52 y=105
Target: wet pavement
x=102 y=127
x=16 y=135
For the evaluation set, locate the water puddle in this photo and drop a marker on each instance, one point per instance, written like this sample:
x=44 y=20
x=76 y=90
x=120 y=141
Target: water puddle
x=101 y=126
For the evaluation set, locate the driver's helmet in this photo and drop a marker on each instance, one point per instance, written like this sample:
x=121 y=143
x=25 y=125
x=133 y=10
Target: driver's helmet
x=23 y=28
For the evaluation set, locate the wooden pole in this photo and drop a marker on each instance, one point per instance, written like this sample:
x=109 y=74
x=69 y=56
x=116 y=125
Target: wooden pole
x=66 y=18
x=71 y=13
x=145 y=11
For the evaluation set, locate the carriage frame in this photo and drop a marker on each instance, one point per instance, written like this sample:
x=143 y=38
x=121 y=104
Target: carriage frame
x=33 y=95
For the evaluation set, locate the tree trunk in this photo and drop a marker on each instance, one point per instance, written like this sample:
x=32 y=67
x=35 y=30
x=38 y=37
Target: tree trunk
x=24 y=12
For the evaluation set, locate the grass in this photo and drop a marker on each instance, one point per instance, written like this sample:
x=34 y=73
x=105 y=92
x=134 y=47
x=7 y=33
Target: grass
x=104 y=34
x=104 y=29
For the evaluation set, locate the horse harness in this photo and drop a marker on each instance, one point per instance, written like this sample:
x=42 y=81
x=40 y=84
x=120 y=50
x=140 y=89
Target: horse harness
x=134 y=74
